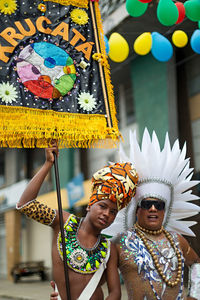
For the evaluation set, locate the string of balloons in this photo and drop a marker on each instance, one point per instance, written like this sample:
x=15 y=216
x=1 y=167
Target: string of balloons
x=169 y=13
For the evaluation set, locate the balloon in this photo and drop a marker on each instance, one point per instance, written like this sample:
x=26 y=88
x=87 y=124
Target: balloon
x=195 y=41
x=179 y=38
x=181 y=12
x=192 y=10
x=199 y=24
x=106 y=44
x=136 y=8
x=145 y=1
x=161 y=49
x=142 y=44
x=167 y=12
x=119 y=48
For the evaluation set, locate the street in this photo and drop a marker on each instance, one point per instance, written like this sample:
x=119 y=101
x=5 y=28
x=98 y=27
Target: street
x=32 y=289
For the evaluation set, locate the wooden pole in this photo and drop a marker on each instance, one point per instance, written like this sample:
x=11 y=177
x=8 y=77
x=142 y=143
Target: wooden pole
x=100 y=66
x=61 y=226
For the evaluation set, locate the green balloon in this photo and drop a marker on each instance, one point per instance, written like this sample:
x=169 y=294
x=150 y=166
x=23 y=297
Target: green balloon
x=135 y=8
x=192 y=10
x=167 y=12
x=199 y=24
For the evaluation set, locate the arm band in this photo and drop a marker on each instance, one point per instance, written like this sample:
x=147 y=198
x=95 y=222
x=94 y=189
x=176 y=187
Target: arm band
x=194 y=281
x=38 y=212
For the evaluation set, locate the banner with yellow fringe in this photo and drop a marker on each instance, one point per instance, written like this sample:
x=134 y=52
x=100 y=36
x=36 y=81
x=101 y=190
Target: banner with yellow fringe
x=54 y=75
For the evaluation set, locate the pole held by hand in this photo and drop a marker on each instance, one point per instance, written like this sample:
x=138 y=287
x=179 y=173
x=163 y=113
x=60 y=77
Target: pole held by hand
x=61 y=225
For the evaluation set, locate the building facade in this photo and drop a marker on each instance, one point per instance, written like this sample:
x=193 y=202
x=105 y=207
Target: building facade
x=164 y=97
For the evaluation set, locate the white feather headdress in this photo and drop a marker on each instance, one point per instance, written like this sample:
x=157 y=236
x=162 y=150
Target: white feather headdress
x=164 y=174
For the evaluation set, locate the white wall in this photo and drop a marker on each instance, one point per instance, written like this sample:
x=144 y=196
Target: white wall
x=196 y=142
x=36 y=242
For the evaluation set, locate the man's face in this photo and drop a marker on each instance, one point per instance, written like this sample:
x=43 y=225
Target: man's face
x=151 y=213
x=102 y=213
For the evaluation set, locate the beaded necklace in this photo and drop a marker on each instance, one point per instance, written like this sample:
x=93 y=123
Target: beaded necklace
x=155 y=259
x=81 y=259
x=153 y=232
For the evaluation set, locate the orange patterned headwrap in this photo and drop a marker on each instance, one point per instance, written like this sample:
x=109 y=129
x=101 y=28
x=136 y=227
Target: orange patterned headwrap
x=116 y=182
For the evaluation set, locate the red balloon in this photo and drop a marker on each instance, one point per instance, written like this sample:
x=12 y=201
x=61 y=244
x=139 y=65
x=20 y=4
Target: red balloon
x=145 y=1
x=181 y=12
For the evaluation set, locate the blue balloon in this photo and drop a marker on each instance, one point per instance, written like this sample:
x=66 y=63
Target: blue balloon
x=106 y=44
x=195 y=41
x=161 y=49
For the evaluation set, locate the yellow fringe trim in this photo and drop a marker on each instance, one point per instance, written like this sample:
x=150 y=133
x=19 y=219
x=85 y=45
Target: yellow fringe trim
x=101 y=59
x=106 y=68
x=78 y=3
x=29 y=128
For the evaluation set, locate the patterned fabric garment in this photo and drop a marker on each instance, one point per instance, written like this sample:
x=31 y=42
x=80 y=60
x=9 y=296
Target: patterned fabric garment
x=38 y=212
x=116 y=182
x=139 y=273
x=80 y=259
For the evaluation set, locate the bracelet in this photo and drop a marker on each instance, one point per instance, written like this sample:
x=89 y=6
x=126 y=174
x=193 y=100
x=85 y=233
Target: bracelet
x=38 y=212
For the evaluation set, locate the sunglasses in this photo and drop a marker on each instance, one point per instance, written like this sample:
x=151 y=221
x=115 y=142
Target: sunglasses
x=147 y=204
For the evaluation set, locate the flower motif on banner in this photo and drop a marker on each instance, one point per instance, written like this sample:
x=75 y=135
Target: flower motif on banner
x=79 y=16
x=42 y=7
x=8 y=92
x=8 y=6
x=86 y=101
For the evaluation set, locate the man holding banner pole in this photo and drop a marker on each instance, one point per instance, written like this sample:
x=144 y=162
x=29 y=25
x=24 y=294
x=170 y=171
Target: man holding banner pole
x=91 y=258
x=55 y=79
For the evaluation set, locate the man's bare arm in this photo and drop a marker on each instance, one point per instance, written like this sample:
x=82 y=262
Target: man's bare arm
x=34 y=185
x=112 y=276
x=191 y=258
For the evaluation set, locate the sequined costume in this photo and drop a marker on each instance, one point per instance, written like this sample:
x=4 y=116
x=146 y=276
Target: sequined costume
x=80 y=259
x=139 y=273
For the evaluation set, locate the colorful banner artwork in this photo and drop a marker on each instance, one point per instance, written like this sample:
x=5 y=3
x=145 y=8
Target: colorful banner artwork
x=54 y=75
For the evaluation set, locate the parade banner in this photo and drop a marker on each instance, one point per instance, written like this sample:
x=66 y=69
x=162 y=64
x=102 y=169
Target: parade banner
x=54 y=75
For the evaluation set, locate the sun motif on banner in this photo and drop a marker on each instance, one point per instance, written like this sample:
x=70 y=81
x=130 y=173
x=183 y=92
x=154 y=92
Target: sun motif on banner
x=79 y=16
x=8 y=6
x=46 y=70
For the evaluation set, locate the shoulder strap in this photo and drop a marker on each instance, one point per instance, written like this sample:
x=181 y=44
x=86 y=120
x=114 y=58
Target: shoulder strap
x=94 y=281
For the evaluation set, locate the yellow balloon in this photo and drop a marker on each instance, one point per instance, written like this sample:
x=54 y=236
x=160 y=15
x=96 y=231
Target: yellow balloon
x=143 y=43
x=179 y=38
x=119 y=48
